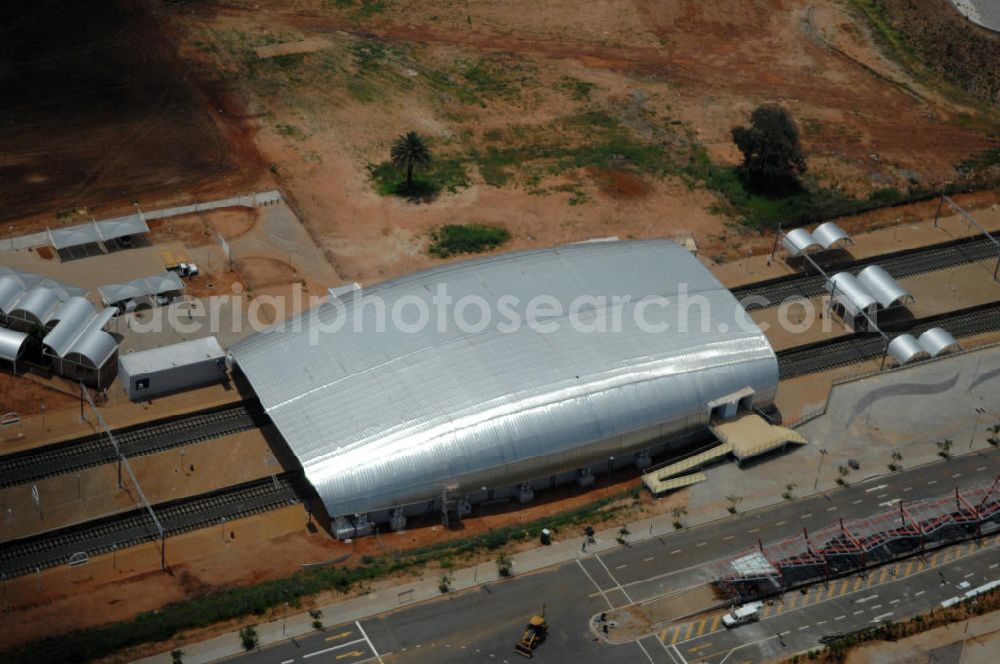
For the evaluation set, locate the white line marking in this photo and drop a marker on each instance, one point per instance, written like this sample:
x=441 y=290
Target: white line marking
x=839 y=618
x=804 y=627
x=956 y=476
x=980 y=469
x=288 y=661
x=643 y=649
x=678 y=653
x=882 y=495
x=874 y=607
x=676 y=551
x=806 y=515
x=612 y=576
x=918 y=594
x=855 y=502
x=859 y=612
x=369 y=641
x=727 y=538
x=646 y=560
x=909 y=488
x=700 y=544
x=599 y=589
x=754 y=530
x=780 y=523
x=993 y=565
x=968 y=575
x=830 y=509
x=821 y=622
x=865 y=599
x=893 y=601
x=884 y=615
x=876 y=488
x=622 y=566
x=932 y=481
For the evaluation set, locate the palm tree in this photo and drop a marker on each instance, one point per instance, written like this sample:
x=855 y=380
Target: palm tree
x=409 y=150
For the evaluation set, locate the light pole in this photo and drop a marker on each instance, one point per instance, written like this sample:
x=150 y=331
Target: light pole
x=979 y=411
x=611 y=465
x=822 y=457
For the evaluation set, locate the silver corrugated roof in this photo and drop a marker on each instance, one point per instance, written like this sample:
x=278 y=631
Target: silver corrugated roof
x=97 y=231
x=829 y=234
x=799 y=241
x=384 y=418
x=880 y=285
x=938 y=341
x=11 y=344
x=14 y=284
x=157 y=284
x=39 y=304
x=905 y=349
x=79 y=331
x=847 y=290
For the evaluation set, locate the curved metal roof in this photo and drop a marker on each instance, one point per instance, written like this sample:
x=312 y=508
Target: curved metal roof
x=938 y=341
x=799 y=241
x=157 y=284
x=37 y=304
x=880 y=285
x=73 y=316
x=11 y=289
x=829 y=234
x=95 y=346
x=847 y=290
x=11 y=344
x=905 y=349
x=386 y=418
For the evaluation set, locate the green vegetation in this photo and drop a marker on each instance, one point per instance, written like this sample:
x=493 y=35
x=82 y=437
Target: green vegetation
x=290 y=131
x=577 y=90
x=452 y=239
x=772 y=154
x=237 y=602
x=249 y=637
x=409 y=151
x=445 y=175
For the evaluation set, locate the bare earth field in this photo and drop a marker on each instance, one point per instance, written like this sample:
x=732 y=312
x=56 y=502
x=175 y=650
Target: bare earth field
x=531 y=100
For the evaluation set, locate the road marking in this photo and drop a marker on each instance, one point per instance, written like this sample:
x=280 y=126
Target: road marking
x=968 y=575
x=622 y=566
x=876 y=488
x=909 y=566
x=830 y=509
x=893 y=601
x=646 y=560
x=881 y=495
x=715 y=623
x=675 y=551
x=993 y=566
x=679 y=655
x=780 y=523
x=956 y=476
x=884 y=615
x=701 y=544
x=980 y=469
x=859 y=500
x=821 y=622
x=932 y=481
x=806 y=515
x=728 y=537
x=642 y=648
x=687 y=634
x=700 y=647
x=612 y=576
x=369 y=641
x=599 y=589
x=701 y=627
x=839 y=618
x=754 y=530
x=338 y=636
x=857 y=584
x=353 y=653
x=320 y=652
x=288 y=661
x=677 y=634
x=918 y=594
x=909 y=488
x=858 y=612
x=804 y=627
x=866 y=599
x=873 y=607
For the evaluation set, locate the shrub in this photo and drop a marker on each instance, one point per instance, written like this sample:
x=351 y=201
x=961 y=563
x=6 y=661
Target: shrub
x=505 y=565
x=249 y=637
x=177 y=656
x=452 y=239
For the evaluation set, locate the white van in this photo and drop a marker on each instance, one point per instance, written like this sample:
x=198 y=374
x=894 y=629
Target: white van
x=743 y=614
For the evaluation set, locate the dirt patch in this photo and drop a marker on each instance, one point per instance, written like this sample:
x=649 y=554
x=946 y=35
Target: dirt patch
x=264 y=272
x=189 y=230
x=106 y=113
x=22 y=395
x=45 y=253
x=620 y=185
x=232 y=224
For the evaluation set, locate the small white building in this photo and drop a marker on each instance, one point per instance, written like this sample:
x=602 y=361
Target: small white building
x=151 y=373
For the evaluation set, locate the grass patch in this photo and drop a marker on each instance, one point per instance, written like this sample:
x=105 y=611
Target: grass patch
x=576 y=89
x=452 y=239
x=444 y=175
x=255 y=600
x=290 y=131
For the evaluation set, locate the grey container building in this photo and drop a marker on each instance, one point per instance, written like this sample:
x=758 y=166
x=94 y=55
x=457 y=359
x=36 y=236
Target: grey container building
x=386 y=417
x=158 y=371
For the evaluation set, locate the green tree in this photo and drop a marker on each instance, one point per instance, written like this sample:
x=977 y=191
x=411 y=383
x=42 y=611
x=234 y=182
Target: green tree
x=772 y=155
x=409 y=151
x=249 y=638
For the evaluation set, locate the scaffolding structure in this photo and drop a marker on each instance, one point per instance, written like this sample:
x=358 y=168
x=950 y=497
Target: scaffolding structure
x=846 y=547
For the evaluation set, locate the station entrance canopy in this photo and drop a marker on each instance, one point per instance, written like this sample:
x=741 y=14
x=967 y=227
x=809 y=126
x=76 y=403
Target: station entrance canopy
x=97 y=231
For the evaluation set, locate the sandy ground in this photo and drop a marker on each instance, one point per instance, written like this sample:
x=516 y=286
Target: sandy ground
x=701 y=66
x=973 y=641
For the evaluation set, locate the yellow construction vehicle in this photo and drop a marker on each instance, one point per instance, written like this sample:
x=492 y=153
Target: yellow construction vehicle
x=534 y=634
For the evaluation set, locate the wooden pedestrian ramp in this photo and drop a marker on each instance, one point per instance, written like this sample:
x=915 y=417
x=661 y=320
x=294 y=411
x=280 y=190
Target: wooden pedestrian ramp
x=674 y=476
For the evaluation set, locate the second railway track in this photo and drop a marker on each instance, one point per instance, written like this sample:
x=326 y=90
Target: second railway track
x=138 y=440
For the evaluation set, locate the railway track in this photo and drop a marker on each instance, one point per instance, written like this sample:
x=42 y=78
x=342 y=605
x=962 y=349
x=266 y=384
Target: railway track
x=138 y=440
x=58 y=547
x=825 y=355
x=900 y=264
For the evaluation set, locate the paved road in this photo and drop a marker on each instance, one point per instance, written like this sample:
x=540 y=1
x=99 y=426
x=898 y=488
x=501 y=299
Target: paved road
x=481 y=625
